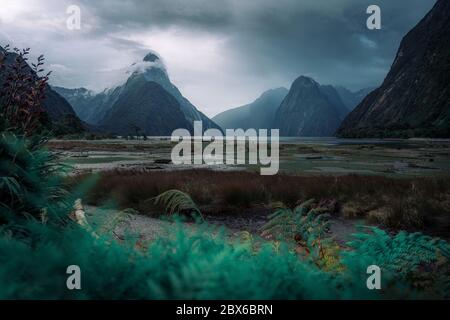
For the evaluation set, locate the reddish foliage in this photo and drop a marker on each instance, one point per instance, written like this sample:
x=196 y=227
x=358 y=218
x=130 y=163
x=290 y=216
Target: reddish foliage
x=22 y=92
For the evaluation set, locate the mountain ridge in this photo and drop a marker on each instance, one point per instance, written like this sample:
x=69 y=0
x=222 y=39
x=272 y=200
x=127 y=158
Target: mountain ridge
x=414 y=98
x=97 y=109
x=258 y=114
x=144 y=107
x=308 y=111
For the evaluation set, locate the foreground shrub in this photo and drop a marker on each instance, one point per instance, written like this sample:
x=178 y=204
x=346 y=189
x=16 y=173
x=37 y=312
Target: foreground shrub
x=198 y=265
x=30 y=184
x=22 y=92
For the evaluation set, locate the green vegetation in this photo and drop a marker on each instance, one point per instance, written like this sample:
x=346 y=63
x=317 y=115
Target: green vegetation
x=197 y=264
x=30 y=187
x=176 y=201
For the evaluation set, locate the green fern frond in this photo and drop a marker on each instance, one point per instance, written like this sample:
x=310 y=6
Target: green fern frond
x=29 y=181
x=176 y=201
x=302 y=222
x=402 y=253
x=11 y=185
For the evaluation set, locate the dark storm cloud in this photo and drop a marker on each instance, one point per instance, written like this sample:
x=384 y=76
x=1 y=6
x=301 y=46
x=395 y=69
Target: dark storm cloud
x=325 y=39
x=220 y=53
x=162 y=13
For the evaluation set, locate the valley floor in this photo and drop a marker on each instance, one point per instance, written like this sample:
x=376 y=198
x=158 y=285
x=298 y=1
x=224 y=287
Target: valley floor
x=393 y=184
x=313 y=156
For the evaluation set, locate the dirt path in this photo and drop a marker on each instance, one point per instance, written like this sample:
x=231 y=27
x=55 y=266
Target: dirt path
x=146 y=228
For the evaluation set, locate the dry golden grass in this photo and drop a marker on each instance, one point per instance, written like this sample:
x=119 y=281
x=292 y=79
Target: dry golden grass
x=412 y=203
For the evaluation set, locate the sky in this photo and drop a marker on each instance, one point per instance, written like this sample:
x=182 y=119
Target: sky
x=219 y=53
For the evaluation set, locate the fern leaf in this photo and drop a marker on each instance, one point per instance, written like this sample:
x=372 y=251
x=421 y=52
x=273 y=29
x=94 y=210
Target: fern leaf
x=176 y=201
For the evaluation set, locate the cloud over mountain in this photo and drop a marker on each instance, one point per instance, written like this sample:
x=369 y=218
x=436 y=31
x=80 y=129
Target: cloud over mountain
x=213 y=48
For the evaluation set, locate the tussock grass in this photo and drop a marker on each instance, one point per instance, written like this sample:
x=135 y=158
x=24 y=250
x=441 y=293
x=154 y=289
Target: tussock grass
x=399 y=203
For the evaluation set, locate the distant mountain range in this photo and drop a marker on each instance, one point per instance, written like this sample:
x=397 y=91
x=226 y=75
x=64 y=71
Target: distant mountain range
x=147 y=103
x=307 y=109
x=414 y=99
x=352 y=98
x=63 y=119
x=89 y=106
x=259 y=114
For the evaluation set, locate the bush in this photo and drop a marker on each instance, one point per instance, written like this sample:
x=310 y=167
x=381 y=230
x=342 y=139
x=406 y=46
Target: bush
x=200 y=265
x=30 y=184
x=22 y=91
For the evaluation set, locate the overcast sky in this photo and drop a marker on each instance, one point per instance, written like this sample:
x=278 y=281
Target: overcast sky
x=220 y=54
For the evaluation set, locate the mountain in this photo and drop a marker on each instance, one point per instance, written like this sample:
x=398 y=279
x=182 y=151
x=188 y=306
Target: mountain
x=144 y=107
x=335 y=99
x=63 y=119
x=159 y=75
x=414 y=99
x=309 y=110
x=106 y=110
x=352 y=98
x=89 y=106
x=259 y=114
